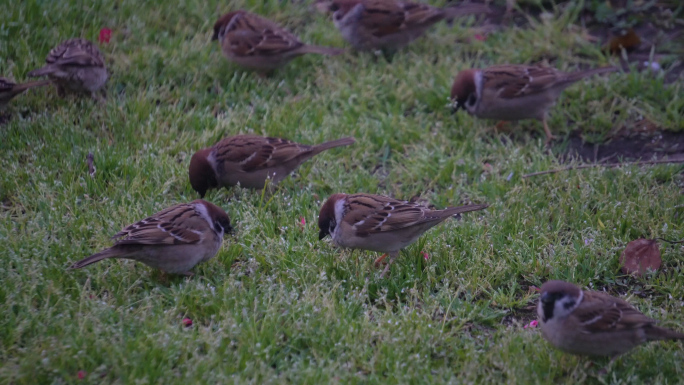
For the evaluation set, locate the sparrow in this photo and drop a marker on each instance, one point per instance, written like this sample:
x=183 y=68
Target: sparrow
x=259 y=44
x=379 y=223
x=388 y=24
x=76 y=65
x=514 y=92
x=594 y=323
x=250 y=160
x=9 y=89
x=173 y=240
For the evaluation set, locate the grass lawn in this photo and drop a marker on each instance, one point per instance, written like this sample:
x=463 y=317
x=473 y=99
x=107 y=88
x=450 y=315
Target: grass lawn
x=277 y=305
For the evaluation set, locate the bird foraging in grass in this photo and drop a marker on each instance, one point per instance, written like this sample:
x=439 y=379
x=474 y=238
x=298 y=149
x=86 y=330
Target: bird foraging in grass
x=259 y=44
x=379 y=223
x=388 y=24
x=251 y=161
x=514 y=92
x=594 y=323
x=173 y=240
x=76 y=65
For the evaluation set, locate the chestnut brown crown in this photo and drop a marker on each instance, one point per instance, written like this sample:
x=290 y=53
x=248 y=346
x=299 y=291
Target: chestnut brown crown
x=464 y=88
x=202 y=175
x=326 y=217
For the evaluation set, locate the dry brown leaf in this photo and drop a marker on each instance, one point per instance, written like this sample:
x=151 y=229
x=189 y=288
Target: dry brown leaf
x=639 y=256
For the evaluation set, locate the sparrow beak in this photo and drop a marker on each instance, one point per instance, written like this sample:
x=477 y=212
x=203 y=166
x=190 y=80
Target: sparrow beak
x=546 y=298
x=455 y=106
x=322 y=234
x=214 y=36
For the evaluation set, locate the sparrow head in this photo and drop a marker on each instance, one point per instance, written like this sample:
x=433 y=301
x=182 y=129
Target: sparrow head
x=340 y=8
x=222 y=23
x=558 y=299
x=202 y=175
x=327 y=218
x=219 y=219
x=464 y=90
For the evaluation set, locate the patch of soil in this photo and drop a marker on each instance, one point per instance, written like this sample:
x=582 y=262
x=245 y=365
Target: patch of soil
x=637 y=146
x=522 y=316
x=654 y=27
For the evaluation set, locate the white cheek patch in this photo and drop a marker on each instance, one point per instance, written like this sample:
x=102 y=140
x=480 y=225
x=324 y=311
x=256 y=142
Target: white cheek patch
x=339 y=212
x=211 y=158
x=202 y=211
x=478 y=85
x=564 y=308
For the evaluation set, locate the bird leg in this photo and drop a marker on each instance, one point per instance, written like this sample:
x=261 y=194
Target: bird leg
x=549 y=136
x=378 y=261
x=392 y=258
x=502 y=125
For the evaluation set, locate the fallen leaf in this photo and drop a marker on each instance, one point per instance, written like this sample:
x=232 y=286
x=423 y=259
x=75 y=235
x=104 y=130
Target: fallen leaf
x=639 y=256
x=624 y=39
x=105 y=35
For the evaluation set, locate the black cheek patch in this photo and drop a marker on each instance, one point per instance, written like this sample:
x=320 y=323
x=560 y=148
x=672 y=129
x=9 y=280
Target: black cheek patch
x=547 y=308
x=568 y=305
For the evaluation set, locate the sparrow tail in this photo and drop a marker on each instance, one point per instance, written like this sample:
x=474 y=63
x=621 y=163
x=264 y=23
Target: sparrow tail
x=451 y=211
x=25 y=86
x=332 y=144
x=465 y=10
x=657 y=333
x=104 y=254
x=40 y=72
x=321 y=50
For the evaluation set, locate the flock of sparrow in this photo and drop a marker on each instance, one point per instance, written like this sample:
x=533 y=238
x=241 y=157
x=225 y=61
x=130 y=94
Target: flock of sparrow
x=178 y=238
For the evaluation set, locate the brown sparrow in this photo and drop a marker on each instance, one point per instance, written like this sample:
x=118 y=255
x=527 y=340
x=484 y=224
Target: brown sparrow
x=76 y=65
x=259 y=44
x=514 y=92
x=173 y=240
x=594 y=323
x=378 y=223
x=9 y=89
x=250 y=160
x=388 y=24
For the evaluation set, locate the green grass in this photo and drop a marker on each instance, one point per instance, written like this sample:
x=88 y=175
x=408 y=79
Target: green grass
x=277 y=305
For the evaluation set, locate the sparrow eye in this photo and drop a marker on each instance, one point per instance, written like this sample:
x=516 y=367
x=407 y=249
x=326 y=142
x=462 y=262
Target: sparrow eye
x=334 y=7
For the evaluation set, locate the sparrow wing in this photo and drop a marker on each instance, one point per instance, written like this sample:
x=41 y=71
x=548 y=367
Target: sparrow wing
x=418 y=15
x=76 y=52
x=375 y=214
x=514 y=81
x=600 y=312
x=254 y=153
x=179 y=224
x=251 y=35
x=381 y=17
